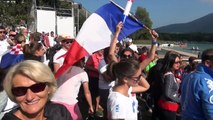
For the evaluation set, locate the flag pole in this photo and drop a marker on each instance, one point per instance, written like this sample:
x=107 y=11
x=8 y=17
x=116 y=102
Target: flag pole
x=146 y=27
x=127 y=9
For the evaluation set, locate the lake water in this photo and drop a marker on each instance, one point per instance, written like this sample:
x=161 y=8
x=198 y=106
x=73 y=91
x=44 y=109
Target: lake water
x=201 y=46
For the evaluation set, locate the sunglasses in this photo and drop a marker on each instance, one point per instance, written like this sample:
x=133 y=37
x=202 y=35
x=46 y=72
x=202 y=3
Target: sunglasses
x=2 y=31
x=136 y=79
x=67 y=42
x=12 y=35
x=127 y=56
x=20 y=91
x=178 y=62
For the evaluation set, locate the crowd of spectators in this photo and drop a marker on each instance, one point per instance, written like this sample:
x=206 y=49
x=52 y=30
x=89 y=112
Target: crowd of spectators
x=111 y=80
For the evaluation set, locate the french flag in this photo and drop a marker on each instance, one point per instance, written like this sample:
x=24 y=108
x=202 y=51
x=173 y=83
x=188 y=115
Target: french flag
x=14 y=56
x=97 y=32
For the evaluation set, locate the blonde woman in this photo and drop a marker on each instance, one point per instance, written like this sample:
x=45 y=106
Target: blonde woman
x=31 y=84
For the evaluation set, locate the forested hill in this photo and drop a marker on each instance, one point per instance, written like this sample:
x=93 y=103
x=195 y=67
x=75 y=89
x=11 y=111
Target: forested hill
x=201 y=25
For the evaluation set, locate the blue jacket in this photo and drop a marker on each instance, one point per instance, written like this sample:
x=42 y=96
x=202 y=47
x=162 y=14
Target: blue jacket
x=197 y=94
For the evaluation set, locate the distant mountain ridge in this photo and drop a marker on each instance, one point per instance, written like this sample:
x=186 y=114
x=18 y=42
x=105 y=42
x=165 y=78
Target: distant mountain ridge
x=202 y=25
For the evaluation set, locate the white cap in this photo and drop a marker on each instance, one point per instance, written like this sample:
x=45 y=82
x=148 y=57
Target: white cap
x=134 y=48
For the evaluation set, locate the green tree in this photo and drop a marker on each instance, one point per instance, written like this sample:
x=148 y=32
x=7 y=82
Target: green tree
x=143 y=16
x=11 y=12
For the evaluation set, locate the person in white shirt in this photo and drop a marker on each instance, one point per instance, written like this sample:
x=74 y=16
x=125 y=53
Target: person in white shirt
x=4 y=45
x=60 y=55
x=127 y=73
x=51 y=37
x=68 y=88
x=122 y=104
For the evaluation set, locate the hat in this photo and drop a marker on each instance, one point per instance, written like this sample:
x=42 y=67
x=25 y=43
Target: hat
x=64 y=37
x=134 y=48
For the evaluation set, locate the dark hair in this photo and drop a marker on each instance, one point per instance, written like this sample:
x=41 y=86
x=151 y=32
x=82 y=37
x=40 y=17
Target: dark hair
x=168 y=61
x=144 y=49
x=78 y=63
x=207 y=55
x=193 y=66
x=30 y=49
x=106 y=54
x=124 y=68
x=191 y=59
x=36 y=36
x=155 y=80
x=12 y=31
x=124 y=50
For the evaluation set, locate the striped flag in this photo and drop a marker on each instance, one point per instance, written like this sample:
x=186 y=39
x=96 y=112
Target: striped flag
x=97 y=32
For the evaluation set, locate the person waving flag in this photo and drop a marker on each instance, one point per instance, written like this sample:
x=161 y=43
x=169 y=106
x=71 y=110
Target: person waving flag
x=97 y=32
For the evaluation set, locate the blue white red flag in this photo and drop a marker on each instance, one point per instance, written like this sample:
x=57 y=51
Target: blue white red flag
x=14 y=56
x=97 y=32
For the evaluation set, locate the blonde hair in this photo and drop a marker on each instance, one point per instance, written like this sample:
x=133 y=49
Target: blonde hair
x=36 y=71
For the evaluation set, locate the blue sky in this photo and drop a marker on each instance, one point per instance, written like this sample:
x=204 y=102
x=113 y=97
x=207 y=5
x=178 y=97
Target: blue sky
x=162 y=12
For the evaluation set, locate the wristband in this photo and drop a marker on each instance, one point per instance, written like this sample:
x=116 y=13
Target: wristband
x=154 y=40
x=154 y=43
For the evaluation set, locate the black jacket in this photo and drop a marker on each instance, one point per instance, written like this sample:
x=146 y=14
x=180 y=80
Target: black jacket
x=52 y=111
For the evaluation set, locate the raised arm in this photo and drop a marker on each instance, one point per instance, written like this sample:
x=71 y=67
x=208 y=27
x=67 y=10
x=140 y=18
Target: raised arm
x=151 y=54
x=142 y=86
x=112 y=56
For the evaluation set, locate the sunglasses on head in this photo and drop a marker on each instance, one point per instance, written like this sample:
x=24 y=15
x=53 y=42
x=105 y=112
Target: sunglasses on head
x=20 y=91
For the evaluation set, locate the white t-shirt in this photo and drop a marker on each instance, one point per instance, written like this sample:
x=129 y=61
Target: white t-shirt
x=69 y=84
x=122 y=107
x=58 y=57
x=51 y=41
x=4 y=47
x=103 y=84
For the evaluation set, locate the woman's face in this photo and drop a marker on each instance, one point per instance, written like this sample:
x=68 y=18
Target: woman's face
x=25 y=32
x=117 y=50
x=40 y=52
x=127 y=54
x=177 y=63
x=133 y=80
x=30 y=102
